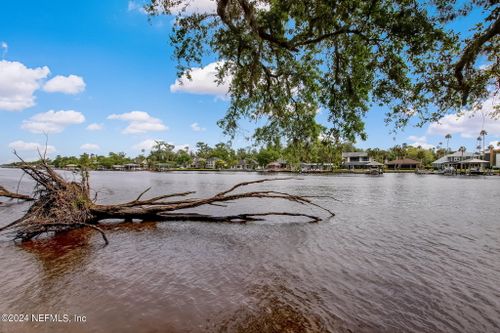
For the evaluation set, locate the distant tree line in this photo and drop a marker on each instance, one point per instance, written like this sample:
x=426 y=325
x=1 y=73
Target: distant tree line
x=320 y=151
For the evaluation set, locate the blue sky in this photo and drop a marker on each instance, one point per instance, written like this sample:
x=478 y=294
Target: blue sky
x=98 y=77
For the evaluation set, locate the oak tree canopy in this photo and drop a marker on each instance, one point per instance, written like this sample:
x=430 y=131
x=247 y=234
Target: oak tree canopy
x=287 y=59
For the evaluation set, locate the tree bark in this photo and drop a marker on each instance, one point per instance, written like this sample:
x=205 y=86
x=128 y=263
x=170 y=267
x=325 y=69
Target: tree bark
x=8 y=194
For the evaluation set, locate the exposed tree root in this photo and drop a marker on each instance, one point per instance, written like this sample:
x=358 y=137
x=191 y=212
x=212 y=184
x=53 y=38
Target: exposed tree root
x=61 y=205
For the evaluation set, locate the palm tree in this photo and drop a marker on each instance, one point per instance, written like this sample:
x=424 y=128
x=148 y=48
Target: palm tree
x=404 y=146
x=483 y=133
x=462 y=150
x=447 y=137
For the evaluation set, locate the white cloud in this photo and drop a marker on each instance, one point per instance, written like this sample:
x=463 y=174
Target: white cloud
x=146 y=145
x=95 y=127
x=494 y=144
x=196 y=6
x=134 y=6
x=18 y=83
x=149 y=143
x=71 y=84
x=52 y=121
x=140 y=122
x=20 y=145
x=417 y=138
x=420 y=141
x=196 y=127
x=203 y=82
x=186 y=7
x=90 y=147
x=469 y=124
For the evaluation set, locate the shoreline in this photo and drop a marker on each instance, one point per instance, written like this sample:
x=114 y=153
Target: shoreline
x=329 y=172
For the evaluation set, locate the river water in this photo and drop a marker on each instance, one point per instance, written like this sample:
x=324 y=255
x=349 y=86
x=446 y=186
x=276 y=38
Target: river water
x=405 y=253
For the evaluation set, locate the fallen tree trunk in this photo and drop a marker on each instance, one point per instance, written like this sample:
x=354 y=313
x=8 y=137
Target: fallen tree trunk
x=8 y=194
x=61 y=205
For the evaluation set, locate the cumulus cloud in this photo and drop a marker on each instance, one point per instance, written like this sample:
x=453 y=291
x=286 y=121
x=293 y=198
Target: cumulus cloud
x=71 y=84
x=146 y=145
x=149 y=143
x=139 y=122
x=470 y=123
x=202 y=82
x=196 y=127
x=95 y=127
x=18 y=83
x=52 y=121
x=20 y=145
x=420 y=141
x=90 y=147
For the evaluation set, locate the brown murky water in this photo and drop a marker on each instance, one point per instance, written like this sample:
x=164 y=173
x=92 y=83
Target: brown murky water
x=405 y=253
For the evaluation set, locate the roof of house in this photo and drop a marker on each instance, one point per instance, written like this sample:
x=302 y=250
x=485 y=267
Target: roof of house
x=403 y=161
x=355 y=154
x=474 y=161
x=460 y=154
x=441 y=160
x=374 y=163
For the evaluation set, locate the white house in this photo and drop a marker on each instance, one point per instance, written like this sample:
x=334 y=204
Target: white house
x=211 y=162
x=453 y=160
x=354 y=160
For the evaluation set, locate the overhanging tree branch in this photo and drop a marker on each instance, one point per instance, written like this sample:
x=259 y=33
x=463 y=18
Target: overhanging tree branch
x=470 y=54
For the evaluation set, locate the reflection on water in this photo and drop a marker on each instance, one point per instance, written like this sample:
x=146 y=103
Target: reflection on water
x=405 y=253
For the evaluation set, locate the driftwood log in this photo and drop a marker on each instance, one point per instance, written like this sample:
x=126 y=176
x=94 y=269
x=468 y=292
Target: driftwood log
x=60 y=205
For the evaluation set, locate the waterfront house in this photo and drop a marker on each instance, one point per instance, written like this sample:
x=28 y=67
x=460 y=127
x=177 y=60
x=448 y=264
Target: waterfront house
x=212 y=162
x=452 y=161
x=375 y=166
x=164 y=166
x=474 y=165
x=315 y=167
x=71 y=167
x=117 y=167
x=198 y=163
x=131 y=167
x=403 y=163
x=279 y=165
x=246 y=164
x=493 y=157
x=355 y=160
